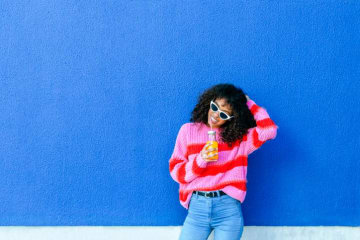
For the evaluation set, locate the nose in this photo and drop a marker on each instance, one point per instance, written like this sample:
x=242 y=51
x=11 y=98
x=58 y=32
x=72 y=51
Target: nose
x=216 y=115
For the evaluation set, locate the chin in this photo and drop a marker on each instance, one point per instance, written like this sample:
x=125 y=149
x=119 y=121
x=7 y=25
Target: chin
x=213 y=125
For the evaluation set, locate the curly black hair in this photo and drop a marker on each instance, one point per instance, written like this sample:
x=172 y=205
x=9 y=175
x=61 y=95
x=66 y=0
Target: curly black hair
x=235 y=128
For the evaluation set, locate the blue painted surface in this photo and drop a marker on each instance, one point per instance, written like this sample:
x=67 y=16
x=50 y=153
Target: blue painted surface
x=92 y=94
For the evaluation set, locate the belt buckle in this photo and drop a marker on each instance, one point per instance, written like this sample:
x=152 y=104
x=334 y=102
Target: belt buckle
x=208 y=194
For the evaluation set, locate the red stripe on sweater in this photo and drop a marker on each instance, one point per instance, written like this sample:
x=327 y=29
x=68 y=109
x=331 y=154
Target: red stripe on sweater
x=183 y=196
x=216 y=169
x=209 y=170
x=173 y=163
x=225 y=146
x=254 y=109
x=181 y=174
x=196 y=169
x=257 y=143
x=245 y=138
x=267 y=122
x=241 y=185
x=194 y=149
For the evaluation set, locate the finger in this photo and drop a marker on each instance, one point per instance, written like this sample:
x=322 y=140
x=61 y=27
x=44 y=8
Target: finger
x=212 y=155
x=212 y=149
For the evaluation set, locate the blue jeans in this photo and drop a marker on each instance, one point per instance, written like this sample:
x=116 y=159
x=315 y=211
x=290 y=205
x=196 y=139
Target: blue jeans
x=222 y=214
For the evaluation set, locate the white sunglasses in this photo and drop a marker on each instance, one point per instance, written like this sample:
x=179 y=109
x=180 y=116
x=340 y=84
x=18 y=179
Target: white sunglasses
x=222 y=115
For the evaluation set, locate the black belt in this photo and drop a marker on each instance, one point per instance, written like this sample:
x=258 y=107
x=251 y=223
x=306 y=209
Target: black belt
x=209 y=194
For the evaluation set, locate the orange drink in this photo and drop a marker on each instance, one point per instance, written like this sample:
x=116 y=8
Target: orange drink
x=213 y=144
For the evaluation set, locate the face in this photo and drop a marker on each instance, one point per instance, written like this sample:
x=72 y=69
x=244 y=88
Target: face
x=214 y=119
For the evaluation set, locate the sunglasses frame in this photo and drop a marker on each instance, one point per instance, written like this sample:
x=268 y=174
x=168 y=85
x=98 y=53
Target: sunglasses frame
x=218 y=110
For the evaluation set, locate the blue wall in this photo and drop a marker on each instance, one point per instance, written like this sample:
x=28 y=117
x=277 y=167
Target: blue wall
x=93 y=93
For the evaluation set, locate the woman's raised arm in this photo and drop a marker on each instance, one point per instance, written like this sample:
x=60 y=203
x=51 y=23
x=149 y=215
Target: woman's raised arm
x=266 y=129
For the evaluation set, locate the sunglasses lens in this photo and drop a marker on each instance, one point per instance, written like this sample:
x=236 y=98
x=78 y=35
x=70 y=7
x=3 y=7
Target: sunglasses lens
x=223 y=116
x=214 y=107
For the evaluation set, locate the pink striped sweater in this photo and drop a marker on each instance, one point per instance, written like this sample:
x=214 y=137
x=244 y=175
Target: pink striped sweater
x=229 y=172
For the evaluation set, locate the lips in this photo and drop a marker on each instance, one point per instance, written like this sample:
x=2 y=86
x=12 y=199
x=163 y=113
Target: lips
x=213 y=121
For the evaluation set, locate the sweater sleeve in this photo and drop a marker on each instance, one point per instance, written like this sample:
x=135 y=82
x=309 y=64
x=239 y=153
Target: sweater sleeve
x=182 y=168
x=266 y=129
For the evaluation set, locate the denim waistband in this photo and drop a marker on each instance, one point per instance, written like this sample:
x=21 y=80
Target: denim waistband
x=218 y=193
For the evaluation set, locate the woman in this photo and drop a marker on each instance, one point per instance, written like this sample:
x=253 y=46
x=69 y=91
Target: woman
x=213 y=191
